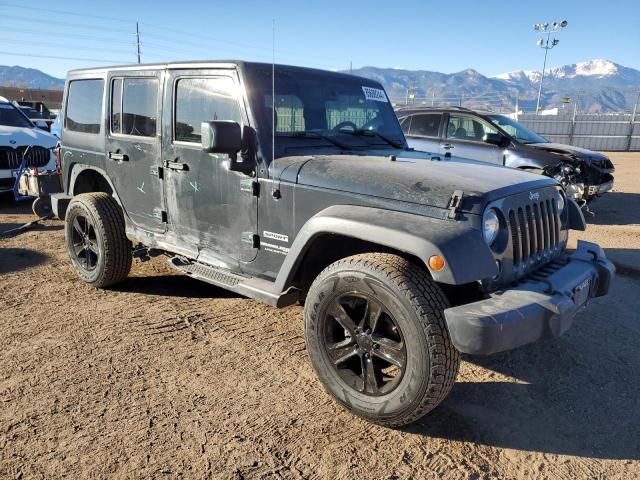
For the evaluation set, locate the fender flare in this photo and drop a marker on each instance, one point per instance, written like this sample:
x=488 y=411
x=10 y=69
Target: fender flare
x=467 y=257
x=78 y=168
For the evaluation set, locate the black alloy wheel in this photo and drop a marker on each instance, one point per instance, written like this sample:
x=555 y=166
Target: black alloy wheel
x=364 y=343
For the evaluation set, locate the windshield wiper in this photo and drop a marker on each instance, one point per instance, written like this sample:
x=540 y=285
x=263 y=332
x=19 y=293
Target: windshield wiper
x=314 y=134
x=373 y=133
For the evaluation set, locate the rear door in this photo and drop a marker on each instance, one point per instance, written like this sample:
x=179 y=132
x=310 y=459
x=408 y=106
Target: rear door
x=423 y=131
x=464 y=138
x=133 y=152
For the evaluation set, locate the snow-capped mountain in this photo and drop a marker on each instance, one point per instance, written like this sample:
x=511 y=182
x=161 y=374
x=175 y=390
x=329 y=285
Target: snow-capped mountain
x=593 y=69
x=595 y=86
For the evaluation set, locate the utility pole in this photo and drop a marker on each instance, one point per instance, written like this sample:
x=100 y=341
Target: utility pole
x=547 y=45
x=351 y=67
x=138 y=41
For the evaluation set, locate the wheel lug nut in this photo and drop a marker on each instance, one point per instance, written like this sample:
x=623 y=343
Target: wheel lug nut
x=376 y=346
x=366 y=355
x=368 y=332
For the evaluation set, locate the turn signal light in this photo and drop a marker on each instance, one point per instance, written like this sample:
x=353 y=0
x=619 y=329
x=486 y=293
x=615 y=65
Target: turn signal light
x=436 y=262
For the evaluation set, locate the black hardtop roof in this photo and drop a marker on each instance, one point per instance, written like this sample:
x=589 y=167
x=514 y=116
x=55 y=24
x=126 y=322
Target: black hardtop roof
x=206 y=64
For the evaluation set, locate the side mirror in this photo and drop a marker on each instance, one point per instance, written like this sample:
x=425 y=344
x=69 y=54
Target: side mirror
x=496 y=139
x=221 y=136
x=42 y=125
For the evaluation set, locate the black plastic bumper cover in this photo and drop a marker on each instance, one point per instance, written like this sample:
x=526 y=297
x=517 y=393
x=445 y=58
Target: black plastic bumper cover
x=59 y=204
x=533 y=310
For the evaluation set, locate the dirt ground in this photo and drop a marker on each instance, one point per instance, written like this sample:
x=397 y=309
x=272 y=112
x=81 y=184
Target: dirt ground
x=166 y=377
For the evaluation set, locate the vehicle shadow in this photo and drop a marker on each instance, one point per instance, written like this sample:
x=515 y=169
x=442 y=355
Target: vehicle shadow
x=590 y=407
x=615 y=208
x=9 y=206
x=626 y=260
x=173 y=286
x=16 y=259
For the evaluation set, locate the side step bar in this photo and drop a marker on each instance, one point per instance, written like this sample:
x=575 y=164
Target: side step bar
x=251 y=287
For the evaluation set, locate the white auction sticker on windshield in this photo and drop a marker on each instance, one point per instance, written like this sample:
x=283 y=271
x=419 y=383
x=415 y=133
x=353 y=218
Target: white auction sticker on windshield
x=374 y=94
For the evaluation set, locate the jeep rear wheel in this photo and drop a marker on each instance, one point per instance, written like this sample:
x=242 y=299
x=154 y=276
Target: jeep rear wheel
x=95 y=239
x=377 y=339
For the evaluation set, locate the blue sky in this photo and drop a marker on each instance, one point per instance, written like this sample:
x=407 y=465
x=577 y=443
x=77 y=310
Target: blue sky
x=492 y=37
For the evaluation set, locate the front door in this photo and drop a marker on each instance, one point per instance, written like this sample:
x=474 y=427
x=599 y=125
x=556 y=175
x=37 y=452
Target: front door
x=210 y=208
x=424 y=131
x=133 y=152
x=464 y=138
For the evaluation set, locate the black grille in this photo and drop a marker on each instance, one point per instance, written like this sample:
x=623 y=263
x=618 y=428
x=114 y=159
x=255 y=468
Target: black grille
x=35 y=156
x=535 y=233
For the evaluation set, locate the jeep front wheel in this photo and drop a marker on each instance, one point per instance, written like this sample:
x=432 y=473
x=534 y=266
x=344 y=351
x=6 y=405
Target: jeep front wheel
x=95 y=239
x=377 y=339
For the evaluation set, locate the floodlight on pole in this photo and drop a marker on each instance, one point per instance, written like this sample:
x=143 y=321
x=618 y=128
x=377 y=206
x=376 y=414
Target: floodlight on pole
x=547 y=44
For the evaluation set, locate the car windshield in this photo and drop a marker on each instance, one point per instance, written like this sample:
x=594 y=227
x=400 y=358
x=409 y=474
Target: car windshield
x=10 y=116
x=320 y=109
x=517 y=130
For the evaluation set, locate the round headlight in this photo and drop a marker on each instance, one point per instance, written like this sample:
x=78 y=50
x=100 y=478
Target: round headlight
x=490 y=226
x=561 y=202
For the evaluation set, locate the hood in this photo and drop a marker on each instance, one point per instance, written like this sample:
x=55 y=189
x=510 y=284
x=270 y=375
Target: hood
x=21 y=137
x=588 y=156
x=411 y=178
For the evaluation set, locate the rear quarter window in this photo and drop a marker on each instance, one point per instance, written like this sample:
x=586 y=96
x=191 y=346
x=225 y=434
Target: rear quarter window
x=84 y=106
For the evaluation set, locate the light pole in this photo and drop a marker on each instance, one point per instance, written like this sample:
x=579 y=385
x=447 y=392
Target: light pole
x=547 y=29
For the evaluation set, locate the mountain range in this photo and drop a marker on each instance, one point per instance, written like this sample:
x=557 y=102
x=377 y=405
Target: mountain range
x=593 y=86
x=17 y=76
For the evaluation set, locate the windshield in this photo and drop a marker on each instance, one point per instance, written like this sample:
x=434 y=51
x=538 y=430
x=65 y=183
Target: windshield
x=517 y=130
x=10 y=116
x=320 y=109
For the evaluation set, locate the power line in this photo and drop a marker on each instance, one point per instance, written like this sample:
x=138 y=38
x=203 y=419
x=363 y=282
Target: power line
x=66 y=24
x=64 y=12
x=69 y=35
x=61 y=45
x=61 y=57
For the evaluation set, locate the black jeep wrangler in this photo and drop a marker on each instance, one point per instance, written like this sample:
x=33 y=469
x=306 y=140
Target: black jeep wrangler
x=300 y=187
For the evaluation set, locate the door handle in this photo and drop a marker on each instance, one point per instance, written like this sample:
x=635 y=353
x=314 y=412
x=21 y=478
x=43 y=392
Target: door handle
x=176 y=166
x=447 y=146
x=118 y=157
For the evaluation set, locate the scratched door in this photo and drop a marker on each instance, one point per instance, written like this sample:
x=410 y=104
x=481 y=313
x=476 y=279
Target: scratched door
x=208 y=205
x=133 y=152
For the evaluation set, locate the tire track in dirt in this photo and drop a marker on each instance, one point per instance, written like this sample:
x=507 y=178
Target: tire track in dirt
x=165 y=377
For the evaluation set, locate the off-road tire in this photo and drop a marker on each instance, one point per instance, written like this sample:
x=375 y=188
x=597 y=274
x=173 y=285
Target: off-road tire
x=432 y=362
x=106 y=216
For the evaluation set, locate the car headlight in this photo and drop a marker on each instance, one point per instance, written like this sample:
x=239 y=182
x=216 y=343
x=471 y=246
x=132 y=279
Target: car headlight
x=561 y=202
x=490 y=226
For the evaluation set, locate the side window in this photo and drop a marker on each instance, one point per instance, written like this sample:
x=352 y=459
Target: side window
x=405 y=123
x=139 y=107
x=116 y=106
x=84 y=106
x=467 y=128
x=427 y=125
x=200 y=100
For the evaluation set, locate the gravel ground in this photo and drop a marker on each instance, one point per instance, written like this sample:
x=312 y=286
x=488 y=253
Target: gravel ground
x=166 y=377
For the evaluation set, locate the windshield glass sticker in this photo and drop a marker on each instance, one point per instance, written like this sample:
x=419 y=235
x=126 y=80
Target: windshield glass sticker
x=374 y=94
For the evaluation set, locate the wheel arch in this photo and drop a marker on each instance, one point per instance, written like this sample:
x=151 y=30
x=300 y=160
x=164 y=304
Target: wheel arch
x=88 y=179
x=344 y=230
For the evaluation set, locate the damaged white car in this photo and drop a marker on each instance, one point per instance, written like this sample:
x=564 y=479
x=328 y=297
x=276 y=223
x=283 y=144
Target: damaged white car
x=21 y=139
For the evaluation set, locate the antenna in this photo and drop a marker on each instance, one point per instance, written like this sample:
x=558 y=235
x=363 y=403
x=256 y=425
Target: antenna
x=138 y=41
x=273 y=90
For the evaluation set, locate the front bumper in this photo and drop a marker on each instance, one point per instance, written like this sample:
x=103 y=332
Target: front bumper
x=541 y=307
